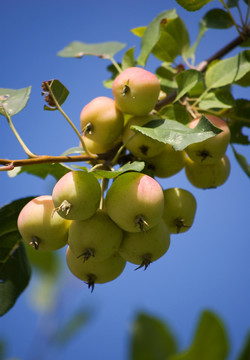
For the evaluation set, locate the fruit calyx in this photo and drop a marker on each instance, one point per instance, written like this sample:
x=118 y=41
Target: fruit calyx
x=203 y=154
x=141 y=222
x=91 y=278
x=179 y=223
x=65 y=206
x=146 y=261
x=88 y=129
x=125 y=89
x=35 y=242
x=87 y=253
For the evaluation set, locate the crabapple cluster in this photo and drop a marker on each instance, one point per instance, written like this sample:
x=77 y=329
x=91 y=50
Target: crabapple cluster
x=133 y=218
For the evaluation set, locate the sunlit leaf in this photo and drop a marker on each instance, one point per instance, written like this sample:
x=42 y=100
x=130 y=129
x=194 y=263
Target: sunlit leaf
x=186 y=80
x=41 y=170
x=151 y=339
x=128 y=59
x=210 y=340
x=166 y=74
x=176 y=112
x=218 y=19
x=192 y=5
x=220 y=98
x=139 y=31
x=134 y=166
x=227 y=71
x=78 y=49
x=60 y=92
x=242 y=161
x=13 y=101
x=177 y=134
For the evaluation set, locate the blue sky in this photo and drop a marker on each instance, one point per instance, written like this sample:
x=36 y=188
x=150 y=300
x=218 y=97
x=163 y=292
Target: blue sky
x=205 y=268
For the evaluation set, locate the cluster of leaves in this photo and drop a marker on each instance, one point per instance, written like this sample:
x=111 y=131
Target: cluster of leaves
x=188 y=90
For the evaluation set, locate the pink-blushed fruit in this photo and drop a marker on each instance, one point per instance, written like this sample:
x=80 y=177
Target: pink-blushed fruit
x=101 y=121
x=95 y=272
x=39 y=228
x=95 y=239
x=138 y=144
x=211 y=150
x=136 y=91
x=135 y=201
x=77 y=195
x=168 y=163
x=145 y=247
x=208 y=176
x=179 y=209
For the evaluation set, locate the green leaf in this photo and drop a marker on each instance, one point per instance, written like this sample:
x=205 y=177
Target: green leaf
x=152 y=35
x=151 y=339
x=177 y=134
x=46 y=262
x=166 y=74
x=192 y=5
x=13 y=101
x=210 y=340
x=78 y=49
x=219 y=98
x=244 y=81
x=128 y=59
x=232 y=3
x=134 y=166
x=60 y=92
x=186 y=80
x=138 y=31
x=240 y=117
x=225 y=72
x=175 y=112
x=242 y=161
x=56 y=170
x=218 y=19
x=245 y=352
x=114 y=72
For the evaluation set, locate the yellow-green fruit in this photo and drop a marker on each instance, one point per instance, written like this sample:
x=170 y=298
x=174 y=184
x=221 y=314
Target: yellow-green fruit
x=95 y=272
x=95 y=239
x=179 y=209
x=135 y=202
x=101 y=121
x=140 y=145
x=208 y=176
x=77 y=195
x=95 y=147
x=136 y=91
x=211 y=150
x=168 y=163
x=145 y=247
x=40 y=227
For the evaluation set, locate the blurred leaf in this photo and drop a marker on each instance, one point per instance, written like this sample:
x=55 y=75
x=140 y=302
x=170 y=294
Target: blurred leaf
x=245 y=352
x=60 y=92
x=240 y=117
x=2 y=349
x=56 y=170
x=232 y=3
x=152 y=35
x=73 y=150
x=78 y=49
x=175 y=112
x=189 y=52
x=218 y=19
x=220 y=98
x=192 y=5
x=128 y=59
x=186 y=80
x=244 y=81
x=14 y=277
x=210 y=340
x=227 y=71
x=139 y=31
x=43 y=261
x=114 y=72
x=151 y=339
x=242 y=161
x=134 y=166
x=74 y=325
x=166 y=74
x=13 y=101
x=177 y=134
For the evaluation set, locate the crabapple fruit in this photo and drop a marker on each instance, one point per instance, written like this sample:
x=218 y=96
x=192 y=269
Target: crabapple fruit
x=207 y=176
x=135 y=201
x=101 y=121
x=145 y=247
x=210 y=150
x=96 y=238
x=77 y=195
x=179 y=209
x=136 y=91
x=95 y=272
x=39 y=228
x=97 y=148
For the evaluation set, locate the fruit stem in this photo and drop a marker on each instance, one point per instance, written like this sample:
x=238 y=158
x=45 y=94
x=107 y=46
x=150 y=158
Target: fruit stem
x=118 y=68
x=140 y=220
x=91 y=281
x=146 y=261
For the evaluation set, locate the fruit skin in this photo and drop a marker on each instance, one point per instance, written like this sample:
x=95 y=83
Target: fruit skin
x=39 y=228
x=81 y=190
x=103 y=119
x=97 y=148
x=208 y=176
x=179 y=209
x=145 y=247
x=136 y=91
x=140 y=145
x=95 y=272
x=211 y=150
x=135 y=201
x=95 y=239
x=168 y=163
